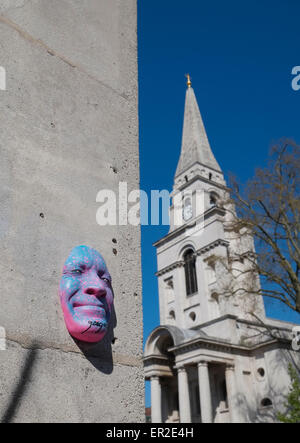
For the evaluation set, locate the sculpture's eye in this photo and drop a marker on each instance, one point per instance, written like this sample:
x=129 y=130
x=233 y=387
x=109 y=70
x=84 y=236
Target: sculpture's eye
x=77 y=271
x=106 y=280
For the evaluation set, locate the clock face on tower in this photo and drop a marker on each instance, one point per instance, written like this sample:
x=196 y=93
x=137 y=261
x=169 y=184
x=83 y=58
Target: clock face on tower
x=187 y=211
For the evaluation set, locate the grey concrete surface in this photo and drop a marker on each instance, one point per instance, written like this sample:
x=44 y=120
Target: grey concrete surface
x=69 y=128
x=44 y=394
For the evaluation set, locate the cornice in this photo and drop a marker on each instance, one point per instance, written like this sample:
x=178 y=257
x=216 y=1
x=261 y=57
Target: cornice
x=211 y=211
x=184 y=171
x=198 y=177
x=216 y=345
x=204 y=343
x=177 y=264
x=212 y=245
x=155 y=359
x=201 y=251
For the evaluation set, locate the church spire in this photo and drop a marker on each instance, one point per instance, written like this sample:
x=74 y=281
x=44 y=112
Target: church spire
x=195 y=146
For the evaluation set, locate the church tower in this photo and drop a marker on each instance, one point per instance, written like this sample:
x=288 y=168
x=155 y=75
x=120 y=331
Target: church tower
x=215 y=358
x=197 y=247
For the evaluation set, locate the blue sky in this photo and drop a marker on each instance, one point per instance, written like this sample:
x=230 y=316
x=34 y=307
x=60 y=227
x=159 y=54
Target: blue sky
x=240 y=55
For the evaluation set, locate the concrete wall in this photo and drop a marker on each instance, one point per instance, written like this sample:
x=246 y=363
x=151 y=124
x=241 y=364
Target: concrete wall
x=68 y=128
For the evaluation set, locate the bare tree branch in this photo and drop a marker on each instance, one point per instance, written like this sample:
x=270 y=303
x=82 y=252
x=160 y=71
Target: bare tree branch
x=268 y=209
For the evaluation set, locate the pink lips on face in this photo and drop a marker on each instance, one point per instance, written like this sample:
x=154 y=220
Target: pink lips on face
x=94 y=310
x=88 y=304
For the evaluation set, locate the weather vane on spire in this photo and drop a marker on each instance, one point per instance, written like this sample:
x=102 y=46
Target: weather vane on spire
x=189 y=82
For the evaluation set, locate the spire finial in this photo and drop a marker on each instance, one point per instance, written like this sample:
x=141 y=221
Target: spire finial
x=189 y=82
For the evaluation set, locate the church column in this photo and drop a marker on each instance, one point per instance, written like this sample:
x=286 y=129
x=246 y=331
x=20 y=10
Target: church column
x=231 y=393
x=156 y=416
x=205 y=393
x=184 y=396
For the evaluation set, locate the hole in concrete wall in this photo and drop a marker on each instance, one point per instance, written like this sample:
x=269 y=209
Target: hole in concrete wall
x=193 y=316
x=114 y=240
x=210 y=176
x=42 y=215
x=115 y=252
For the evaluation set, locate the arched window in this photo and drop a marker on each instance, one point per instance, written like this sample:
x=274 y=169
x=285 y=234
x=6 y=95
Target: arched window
x=190 y=272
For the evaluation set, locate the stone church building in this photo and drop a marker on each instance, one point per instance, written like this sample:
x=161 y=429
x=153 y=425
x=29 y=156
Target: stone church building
x=215 y=358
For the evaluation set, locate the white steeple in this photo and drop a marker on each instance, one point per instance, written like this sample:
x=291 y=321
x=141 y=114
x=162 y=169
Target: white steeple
x=195 y=259
x=195 y=146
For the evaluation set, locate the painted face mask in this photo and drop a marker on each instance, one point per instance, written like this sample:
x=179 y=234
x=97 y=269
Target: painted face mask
x=86 y=294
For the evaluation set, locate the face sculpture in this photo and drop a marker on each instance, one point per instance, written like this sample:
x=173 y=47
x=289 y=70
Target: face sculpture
x=86 y=294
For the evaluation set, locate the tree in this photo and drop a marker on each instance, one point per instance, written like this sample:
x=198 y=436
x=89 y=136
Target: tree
x=293 y=400
x=268 y=209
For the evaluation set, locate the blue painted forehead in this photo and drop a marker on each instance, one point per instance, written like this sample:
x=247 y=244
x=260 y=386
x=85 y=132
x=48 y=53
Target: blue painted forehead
x=85 y=255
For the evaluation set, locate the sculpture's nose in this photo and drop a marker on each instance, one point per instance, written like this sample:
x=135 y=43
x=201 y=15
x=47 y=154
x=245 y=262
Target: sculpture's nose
x=95 y=287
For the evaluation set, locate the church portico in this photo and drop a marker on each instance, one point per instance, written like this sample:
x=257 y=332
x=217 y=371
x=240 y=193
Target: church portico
x=196 y=392
x=187 y=386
